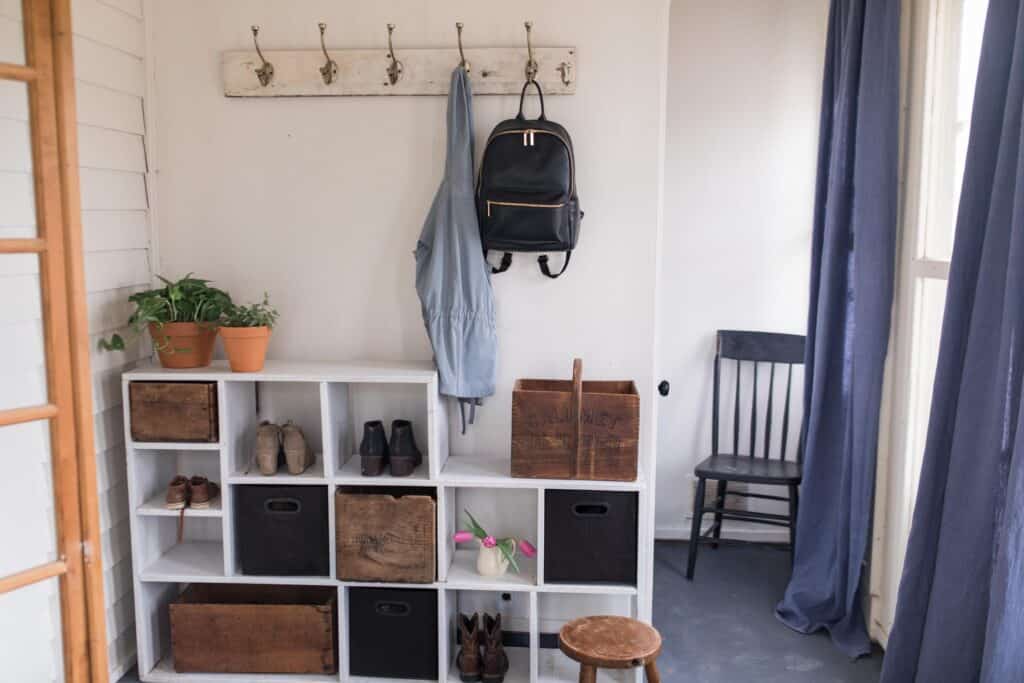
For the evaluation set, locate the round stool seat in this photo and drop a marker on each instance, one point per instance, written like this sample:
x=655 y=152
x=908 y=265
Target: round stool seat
x=610 y=642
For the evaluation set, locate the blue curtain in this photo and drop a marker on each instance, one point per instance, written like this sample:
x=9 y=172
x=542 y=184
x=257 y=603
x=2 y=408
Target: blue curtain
x=960 y=614
x=852 y=263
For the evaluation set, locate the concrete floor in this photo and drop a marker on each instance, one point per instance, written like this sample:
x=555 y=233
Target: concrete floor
x=721 y=628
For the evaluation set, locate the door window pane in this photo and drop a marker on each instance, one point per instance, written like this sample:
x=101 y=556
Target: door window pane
x=23 y=363
x=17 y=194
x=30 y=634
x=27 y=514
x=12 y=32
x=955 y=70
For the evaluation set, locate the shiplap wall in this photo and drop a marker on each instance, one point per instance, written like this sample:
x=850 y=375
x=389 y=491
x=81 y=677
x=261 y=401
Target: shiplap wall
x=109 y=46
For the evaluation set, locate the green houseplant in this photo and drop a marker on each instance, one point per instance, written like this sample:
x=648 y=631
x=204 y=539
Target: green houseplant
x=246 y=334
x=181 y=318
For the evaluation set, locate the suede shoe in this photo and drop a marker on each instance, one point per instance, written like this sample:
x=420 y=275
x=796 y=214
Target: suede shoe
x=468 y=660
x=373 y=450
x=495 y=658
x=405 y=456
x=297 y=454
x=268 y=447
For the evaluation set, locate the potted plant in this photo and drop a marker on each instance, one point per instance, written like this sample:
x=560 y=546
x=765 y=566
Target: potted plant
x=181 y=318
x=246 y=334
x=496 y=554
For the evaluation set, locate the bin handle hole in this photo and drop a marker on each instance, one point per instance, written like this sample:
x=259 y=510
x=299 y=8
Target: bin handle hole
x=591 y=509
x=393 y=609
x=282 y=506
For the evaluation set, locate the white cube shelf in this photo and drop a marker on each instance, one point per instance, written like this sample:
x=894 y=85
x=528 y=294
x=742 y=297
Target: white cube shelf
x=330 y=402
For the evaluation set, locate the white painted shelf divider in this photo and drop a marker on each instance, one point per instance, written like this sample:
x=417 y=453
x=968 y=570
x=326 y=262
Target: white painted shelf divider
x=330 y=401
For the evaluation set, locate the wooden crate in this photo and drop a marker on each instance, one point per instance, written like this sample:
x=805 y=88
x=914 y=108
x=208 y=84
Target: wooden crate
x=173 y=411
x=384 y=537
x=255 y=629
x=571 y=429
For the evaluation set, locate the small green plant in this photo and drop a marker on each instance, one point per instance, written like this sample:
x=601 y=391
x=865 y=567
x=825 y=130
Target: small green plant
x=253 y=315
x=188 y=300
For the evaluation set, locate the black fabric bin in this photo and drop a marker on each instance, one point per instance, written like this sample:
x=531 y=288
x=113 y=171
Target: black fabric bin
x=392 y=632
x=590 y=536
x=282 y=530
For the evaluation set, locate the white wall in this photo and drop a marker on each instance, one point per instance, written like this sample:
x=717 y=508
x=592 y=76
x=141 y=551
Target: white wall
x=744 y=87
x=320 y=200
x=109 y=41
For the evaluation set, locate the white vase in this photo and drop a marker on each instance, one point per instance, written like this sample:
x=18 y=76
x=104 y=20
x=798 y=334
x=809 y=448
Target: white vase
x=491 y=562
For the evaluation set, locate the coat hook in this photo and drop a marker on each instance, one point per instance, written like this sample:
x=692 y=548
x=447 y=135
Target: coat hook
x=266 y=72
x=464 y=64
x=531 y=63
x=395 y=68
x=329 y=70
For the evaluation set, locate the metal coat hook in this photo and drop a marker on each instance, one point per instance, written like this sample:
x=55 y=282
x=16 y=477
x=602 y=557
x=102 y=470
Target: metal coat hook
x=464 y=63
x=395 y=68
x=531 y=63
x=266 y=72
x=329 y=71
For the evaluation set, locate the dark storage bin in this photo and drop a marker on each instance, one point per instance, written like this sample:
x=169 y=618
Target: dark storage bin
x=282 y=530
x=590 y=537
x=255 y=629
x=392 y=632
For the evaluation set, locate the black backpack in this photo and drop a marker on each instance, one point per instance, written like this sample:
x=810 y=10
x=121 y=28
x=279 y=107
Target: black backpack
x=526 y=194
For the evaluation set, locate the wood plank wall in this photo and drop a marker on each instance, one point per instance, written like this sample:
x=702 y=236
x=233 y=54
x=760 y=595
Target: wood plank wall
x=109 y=45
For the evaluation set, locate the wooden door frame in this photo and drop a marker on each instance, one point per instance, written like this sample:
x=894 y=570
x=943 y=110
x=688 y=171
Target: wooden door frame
x=48 y=73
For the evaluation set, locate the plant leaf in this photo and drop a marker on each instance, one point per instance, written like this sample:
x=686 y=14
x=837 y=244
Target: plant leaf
x=503 y=546
x=475 y=527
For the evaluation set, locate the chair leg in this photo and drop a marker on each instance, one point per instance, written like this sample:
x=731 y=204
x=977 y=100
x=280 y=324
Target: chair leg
x=716 y=531
x=588 y=674
x=652 y=672
x=794 y=506
x=698 y=506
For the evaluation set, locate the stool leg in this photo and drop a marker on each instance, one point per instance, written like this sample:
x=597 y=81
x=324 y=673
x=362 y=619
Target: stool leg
x=652 y=672
x=588 y=674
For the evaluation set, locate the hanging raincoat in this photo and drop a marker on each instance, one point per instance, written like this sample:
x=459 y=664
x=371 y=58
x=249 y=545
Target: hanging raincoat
x=452 y=276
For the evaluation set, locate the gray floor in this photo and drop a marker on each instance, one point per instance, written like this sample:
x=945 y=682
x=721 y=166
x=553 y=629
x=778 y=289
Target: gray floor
x=721 y=628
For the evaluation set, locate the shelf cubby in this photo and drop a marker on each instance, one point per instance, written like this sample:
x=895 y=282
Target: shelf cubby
x=515 y=610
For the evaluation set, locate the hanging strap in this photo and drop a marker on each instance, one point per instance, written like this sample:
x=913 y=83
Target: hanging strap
x=473 y=403
x=522 y=96
x=543 y=261
x=506 y=262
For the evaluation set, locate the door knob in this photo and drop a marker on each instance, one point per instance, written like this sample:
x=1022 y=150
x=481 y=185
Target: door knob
x=663 y=387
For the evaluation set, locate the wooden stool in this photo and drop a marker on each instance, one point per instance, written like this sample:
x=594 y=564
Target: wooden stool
x=611 y=643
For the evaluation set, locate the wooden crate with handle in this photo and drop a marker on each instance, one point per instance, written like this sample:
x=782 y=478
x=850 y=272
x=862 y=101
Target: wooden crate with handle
x=173 y=411
x=571 y=429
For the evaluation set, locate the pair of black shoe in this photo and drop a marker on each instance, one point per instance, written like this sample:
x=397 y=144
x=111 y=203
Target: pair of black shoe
x=374 y=453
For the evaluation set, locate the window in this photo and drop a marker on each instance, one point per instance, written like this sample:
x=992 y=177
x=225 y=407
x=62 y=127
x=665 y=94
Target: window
x=939 y=78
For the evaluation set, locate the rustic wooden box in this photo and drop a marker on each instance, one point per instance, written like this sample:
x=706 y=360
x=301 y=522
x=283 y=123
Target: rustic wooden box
x=255 y=629
x=384 y=537
x=571 y=429
x=173 y=411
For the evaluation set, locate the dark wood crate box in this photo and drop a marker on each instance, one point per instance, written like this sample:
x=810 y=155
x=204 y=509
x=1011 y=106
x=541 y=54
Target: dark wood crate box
x=173 y=411
x=385 y=537
x=571 y=429
x=255 y=629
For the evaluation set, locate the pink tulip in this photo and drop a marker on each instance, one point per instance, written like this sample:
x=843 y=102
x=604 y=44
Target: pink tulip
x=490 y=542
x=527 y=548
x=463 y=537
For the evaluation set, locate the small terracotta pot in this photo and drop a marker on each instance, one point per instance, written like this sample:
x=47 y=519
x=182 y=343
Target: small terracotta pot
x=183 y=345
x=246 y=347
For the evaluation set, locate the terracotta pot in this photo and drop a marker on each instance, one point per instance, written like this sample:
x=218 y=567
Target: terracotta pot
x=183 y=345
x=246 y=347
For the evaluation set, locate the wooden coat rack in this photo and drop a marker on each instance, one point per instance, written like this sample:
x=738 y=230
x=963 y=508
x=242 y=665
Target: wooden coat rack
x=333 y=73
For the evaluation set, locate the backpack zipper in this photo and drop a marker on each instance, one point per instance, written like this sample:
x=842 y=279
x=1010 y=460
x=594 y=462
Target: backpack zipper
x=524 y=204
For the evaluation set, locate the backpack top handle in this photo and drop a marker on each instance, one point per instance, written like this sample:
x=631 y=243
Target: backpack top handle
x=522 y=96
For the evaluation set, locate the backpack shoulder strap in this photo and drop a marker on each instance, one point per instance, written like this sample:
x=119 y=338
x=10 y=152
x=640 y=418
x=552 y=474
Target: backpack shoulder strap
x=506 y=262
x=543 y=261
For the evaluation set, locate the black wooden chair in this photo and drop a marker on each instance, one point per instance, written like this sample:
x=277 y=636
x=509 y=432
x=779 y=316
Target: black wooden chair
x=750 y=466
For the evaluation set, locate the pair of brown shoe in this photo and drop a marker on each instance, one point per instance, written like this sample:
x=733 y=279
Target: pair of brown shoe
x=282 y=443
x=482 y=657
x=195 y=492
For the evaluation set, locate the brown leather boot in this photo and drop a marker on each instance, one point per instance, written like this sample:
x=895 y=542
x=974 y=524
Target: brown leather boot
x=178 y=493
x=468 y=660
x=495 y=659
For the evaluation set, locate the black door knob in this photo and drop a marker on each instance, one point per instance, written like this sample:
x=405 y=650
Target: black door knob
x=663 y=387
